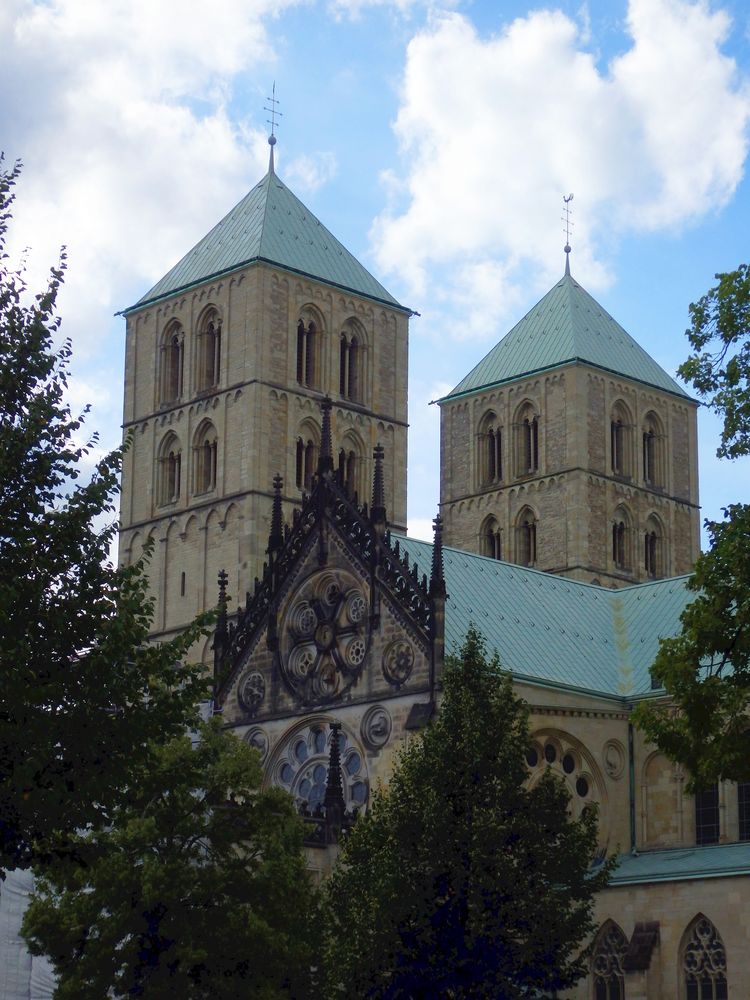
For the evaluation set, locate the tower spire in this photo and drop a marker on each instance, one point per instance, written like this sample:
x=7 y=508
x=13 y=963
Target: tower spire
x=275 y=113
x=568 y=224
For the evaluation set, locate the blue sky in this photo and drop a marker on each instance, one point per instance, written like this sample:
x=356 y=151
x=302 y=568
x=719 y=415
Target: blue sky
x=436 y=141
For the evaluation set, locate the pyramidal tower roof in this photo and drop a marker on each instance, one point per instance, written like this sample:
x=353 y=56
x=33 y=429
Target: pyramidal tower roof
x=270 y=225
x=568 y=325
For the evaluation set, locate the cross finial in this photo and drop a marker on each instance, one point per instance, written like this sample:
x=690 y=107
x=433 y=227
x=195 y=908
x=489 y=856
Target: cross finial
x=275 y=113
x=568 y=224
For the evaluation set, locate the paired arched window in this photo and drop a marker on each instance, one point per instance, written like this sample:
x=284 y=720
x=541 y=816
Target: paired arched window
x=204 y=458
x=703 y=962
x=621 y=539
x=307 y=352
x=169 y=476
x=526 y=537
x=306 y=458
x=490 y=540
x=352 y=362
x=208 y=351
x=653 y=451
x=171 y=363
x=653 y=548
x=527 y=440
x=620 y=441
x=350 y=465
x=490 y=444
x=607 y=963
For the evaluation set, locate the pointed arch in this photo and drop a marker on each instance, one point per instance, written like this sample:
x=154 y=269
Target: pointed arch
x=526 y=426
x=171 y=358
x=205 y=447
x=607 y=959
x=490 y=538
x=208 y=350
x=703 y=962
x=526 y=537
x=621 y=440
x=306 y=454
x=169 y=469
x=622 y=538
x=489 y=450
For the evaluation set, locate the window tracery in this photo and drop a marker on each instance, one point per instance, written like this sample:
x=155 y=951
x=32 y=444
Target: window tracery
x=302 y=768
x=607 y=961
x=704 y=962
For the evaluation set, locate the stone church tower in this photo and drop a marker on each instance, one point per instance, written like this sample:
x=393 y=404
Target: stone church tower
x=569 y=449
x=228 y=357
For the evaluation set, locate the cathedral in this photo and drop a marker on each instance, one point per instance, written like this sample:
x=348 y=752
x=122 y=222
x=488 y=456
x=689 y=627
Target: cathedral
x=266 y=404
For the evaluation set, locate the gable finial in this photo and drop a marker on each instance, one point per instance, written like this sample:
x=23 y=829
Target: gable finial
x=276 y=536
x=568 y=224
x=275 y=113
x=377 y=506
x=437 y=577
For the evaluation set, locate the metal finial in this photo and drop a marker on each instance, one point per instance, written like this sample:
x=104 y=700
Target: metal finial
x=275 y=113
x=568 y=224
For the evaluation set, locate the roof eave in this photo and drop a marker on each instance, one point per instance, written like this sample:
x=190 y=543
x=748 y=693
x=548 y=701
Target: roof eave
x=143 y=303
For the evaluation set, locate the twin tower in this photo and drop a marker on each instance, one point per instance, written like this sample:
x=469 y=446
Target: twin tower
x=567 y=448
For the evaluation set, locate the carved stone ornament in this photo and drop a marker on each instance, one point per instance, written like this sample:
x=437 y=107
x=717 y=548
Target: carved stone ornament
x=325 y=637
x=613 y=754
x=258 y=739
x=398 y=660
x=376 y=727
x=251 y=692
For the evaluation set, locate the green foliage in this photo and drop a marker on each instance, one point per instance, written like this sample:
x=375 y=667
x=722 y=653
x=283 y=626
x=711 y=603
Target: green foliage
x=461 y=881
x=81 y=692
x=720 y=367
x=706 y=669
x=199 y=889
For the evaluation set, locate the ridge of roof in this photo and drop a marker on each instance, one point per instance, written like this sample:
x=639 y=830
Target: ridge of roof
x=270 y=224
x=604 y=640
x=566 y=326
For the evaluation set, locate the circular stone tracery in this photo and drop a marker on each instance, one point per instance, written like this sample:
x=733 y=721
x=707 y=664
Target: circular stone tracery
x=302 y=768
x=325 y=636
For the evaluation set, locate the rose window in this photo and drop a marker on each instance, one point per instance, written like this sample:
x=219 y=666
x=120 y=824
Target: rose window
x=303 y=769
x=325 y=637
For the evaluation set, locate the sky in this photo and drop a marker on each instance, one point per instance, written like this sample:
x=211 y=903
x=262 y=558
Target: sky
x=436 y=141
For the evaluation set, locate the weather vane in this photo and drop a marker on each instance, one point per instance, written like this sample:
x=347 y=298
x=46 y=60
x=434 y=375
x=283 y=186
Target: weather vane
x=568 y=224
x=272 y=121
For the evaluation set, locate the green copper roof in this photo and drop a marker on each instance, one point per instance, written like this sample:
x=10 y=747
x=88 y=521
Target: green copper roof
x=567 y=325
x=715 y=861
x=270 y=224
x=551 y=630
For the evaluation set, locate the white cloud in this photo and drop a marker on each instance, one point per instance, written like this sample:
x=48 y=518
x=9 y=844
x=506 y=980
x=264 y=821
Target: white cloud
x=308 y=173
x=648 y=143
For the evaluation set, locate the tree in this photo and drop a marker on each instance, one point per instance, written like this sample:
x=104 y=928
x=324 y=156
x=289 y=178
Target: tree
x=199 y=890
x=461 y=881
x=81 y=691
x=705 y=669
x=720 y=367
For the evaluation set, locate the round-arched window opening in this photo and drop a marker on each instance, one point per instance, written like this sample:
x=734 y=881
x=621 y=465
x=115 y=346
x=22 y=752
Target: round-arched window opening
x=582 y=787
x=550 y=754
x=568 y=763
x=532 y=757
x=303 y=769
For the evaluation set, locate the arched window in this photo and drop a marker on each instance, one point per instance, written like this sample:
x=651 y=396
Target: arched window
x=653 y=451
x=170 y=470
x=490 y=539
x=208 y=351
x=307 y=352
x=743 y=809
x=526 y=537
x=351 y=363
x=653 y=548
x=306 y=459
x=707 y=815
x=351 y=466
x=527 y=441
x=490 y=445
x=606 y=963
x=204 y=458
x=621 y=539
x=704 y=962
x=171 y=361
x=620 y=441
